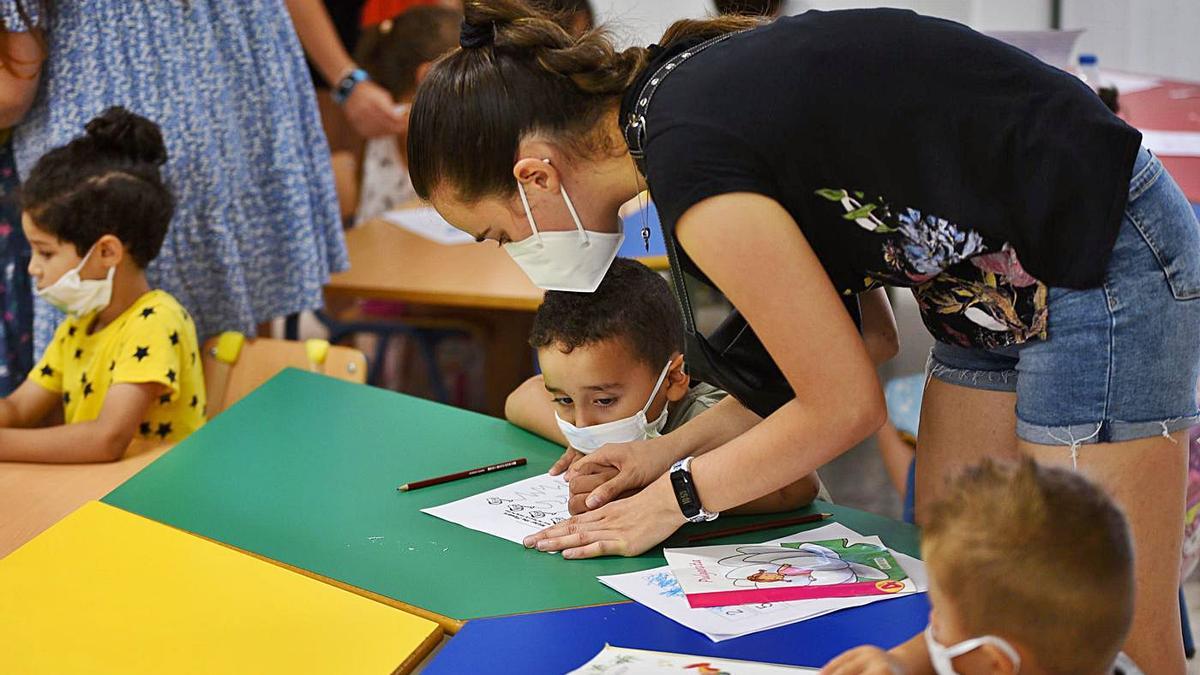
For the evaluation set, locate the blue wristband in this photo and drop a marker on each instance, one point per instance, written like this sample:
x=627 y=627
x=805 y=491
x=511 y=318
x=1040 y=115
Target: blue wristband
x=347 y=84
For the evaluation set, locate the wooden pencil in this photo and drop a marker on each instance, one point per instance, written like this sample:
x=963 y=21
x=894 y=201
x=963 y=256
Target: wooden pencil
x=416 y=485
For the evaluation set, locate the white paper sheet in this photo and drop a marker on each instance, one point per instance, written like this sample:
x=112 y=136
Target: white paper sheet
x=512 y=512
x=1051 y=46
x=657 y=589
x=623 y=661
x=1172 y=143
x=428 y=223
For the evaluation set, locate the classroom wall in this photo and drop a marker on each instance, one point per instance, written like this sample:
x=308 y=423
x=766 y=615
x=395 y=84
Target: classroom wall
x=1153 y=36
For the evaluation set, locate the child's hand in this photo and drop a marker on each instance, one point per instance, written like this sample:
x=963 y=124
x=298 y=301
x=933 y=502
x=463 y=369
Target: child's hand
x=865 y=661
x=628 y=466
x=568 y=458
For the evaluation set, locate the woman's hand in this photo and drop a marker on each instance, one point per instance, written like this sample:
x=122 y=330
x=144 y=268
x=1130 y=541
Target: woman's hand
x=865 y=661
x=631 y=466
x=625 y=527
x=373 y=112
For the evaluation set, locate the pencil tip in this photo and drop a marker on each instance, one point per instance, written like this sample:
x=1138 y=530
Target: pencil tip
x=403 y=488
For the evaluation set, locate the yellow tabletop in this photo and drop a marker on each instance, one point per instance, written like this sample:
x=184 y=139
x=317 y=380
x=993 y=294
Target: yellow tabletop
x=105 y=591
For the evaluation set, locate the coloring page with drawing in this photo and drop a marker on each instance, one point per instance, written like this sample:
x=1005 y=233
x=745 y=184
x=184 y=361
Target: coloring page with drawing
x=623 y=661
x=659 y=590
x=743 y=574
x=513 y=511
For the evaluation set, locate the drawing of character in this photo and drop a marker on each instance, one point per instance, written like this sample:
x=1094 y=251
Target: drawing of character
x=705 y=669
x=808 y=564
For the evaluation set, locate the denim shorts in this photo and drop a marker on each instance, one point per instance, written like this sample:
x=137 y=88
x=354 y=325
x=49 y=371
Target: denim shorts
x=1121 y=361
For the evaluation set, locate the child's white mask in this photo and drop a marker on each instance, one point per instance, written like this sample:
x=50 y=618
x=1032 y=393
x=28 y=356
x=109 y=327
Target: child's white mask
x=942 y=656
x=633 y=428
x=77 y=296
x=564 y=261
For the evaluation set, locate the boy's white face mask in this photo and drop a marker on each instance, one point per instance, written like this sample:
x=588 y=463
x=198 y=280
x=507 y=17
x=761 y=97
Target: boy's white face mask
x=942 y=657
x=633 y=428
x=564 y=261
x=77 y=296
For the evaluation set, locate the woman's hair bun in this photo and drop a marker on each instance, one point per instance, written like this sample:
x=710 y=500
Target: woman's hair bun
x=120 y=133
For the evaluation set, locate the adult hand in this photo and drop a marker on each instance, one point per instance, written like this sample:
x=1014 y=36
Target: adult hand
x=631 y=466
x=372 y=111
x=865 y=661
x=566 y=461
x=625 y=527
x=582 y=485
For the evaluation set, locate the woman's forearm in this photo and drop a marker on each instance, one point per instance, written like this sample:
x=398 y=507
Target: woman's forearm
x=792 y=442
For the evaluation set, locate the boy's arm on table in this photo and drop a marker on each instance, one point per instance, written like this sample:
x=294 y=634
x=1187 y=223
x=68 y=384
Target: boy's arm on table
x=910 y=658
x=103 y=439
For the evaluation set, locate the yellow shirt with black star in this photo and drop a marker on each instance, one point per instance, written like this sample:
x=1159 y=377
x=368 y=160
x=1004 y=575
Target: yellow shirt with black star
x=154 y=341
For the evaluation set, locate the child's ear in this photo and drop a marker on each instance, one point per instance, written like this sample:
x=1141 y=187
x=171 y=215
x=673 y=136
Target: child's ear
x=110 y=251
x=998 y=662
x=678 y=380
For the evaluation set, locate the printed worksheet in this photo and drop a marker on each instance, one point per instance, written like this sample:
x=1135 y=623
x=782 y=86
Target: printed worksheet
x=428 y=223
x=512 y=512
x=658 y=589
x=623 y=661
x=745 y=574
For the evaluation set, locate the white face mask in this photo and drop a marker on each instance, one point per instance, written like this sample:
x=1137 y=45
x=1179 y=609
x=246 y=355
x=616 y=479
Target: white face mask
x=635 y=428
x=565 y=261
x=942 y=656
x=77 y=296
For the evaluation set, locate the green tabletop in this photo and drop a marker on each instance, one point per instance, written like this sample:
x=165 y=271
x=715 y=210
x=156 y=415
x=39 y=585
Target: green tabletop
x=304 y=471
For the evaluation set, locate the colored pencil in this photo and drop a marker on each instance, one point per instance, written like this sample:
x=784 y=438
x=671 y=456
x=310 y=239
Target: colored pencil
x=416 y=485
x=768 y=525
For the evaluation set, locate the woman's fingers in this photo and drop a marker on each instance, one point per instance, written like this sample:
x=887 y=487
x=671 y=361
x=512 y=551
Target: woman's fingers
x=594 y=463
x=568 y=526
x=609 y=490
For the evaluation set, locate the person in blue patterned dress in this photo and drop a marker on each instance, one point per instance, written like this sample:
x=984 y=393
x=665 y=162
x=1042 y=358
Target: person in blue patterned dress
x=257 y=230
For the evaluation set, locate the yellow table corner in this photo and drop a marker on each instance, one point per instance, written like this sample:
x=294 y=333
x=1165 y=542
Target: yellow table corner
x=106 y=591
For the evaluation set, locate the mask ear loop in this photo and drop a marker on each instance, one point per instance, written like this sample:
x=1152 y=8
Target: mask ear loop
x=529 y=212
x=575 y=216
x=657 y=385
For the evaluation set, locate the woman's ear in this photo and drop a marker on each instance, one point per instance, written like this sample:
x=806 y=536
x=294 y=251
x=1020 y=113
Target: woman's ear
x=678 y=380
x=109 y=251
x=535 y=170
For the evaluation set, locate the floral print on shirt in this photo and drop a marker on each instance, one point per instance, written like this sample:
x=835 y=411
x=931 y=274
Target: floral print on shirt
x=971 y=292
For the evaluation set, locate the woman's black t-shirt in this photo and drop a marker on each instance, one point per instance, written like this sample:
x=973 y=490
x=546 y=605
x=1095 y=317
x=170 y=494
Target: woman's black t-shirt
x=911 y=151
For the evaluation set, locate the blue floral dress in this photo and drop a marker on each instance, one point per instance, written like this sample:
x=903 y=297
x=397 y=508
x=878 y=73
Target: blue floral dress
x=16 y=296
x=256 y=231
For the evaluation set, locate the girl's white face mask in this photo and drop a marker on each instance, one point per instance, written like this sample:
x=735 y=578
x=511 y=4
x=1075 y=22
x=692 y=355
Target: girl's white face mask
x=564 y=261
x=942 y=657
x=634 y=428
x=77 y=296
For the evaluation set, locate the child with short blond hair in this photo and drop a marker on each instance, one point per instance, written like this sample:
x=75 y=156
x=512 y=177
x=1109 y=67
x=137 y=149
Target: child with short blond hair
x=1031 y=571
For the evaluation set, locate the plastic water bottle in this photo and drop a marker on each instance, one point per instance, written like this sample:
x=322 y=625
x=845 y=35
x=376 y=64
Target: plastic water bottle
x=1089 y=72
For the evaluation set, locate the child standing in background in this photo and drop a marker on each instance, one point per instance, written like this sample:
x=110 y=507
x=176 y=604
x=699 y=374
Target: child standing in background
x=125 y=362
x=397 y=53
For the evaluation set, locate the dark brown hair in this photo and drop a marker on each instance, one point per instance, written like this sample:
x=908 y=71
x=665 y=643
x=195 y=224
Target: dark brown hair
x=106 y=181
x=632 y=303
x=1036 y=555
x=767 y=8
x=392 y=51
x=520 y=72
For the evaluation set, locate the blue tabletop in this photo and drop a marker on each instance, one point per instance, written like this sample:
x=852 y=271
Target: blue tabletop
x=557 y=642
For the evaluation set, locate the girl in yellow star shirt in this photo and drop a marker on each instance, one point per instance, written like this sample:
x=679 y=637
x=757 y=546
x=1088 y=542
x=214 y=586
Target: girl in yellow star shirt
x=125 y=363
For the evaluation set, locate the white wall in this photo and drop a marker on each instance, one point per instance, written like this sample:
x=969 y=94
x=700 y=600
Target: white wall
x=1160 y=37
x=1153 y=36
